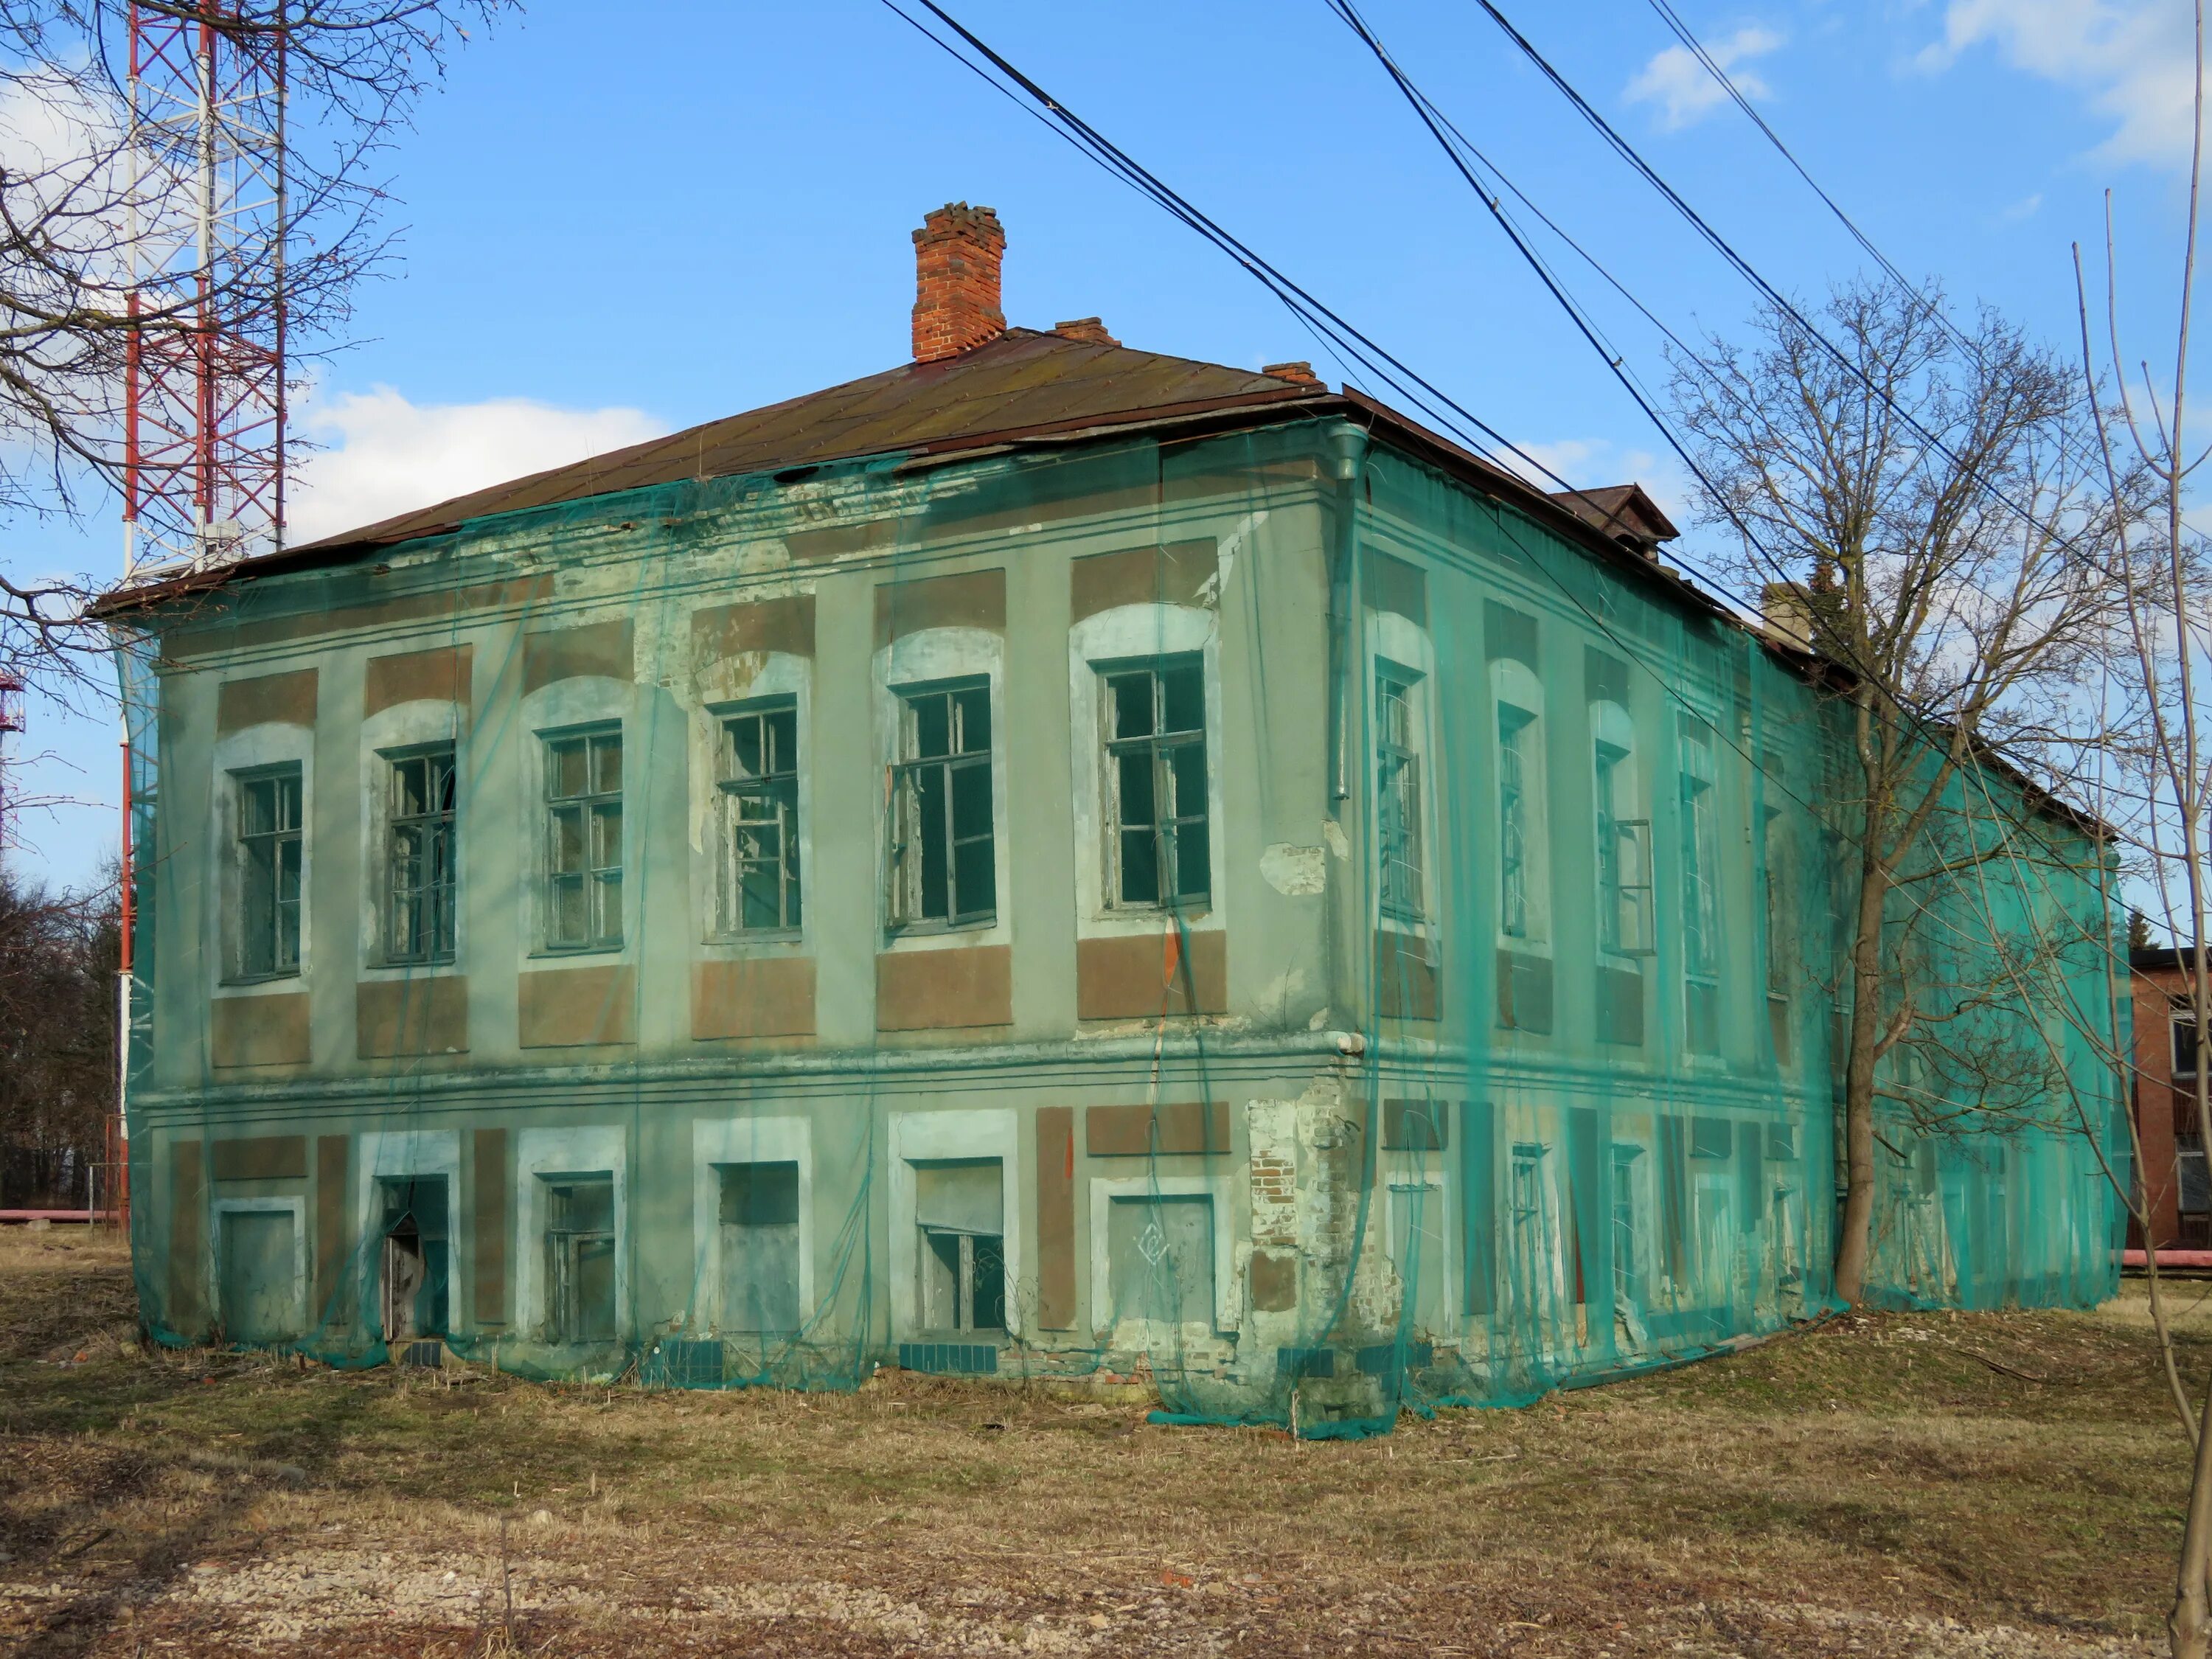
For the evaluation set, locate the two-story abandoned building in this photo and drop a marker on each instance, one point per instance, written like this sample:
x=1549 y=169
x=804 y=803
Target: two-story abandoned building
x=1049 y=858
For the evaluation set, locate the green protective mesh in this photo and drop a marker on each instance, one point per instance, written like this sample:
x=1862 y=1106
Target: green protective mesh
x=1251 y=915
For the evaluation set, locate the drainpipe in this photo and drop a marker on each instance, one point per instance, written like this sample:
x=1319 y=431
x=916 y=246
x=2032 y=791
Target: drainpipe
x=1347 y=456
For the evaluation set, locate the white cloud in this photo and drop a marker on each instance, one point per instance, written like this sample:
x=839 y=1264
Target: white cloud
x=382 y=454
x=2134 y=58
x=1686 y=91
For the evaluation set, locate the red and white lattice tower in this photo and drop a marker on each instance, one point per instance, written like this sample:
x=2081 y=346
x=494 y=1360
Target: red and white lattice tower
x=11 y=722
x=203 y=438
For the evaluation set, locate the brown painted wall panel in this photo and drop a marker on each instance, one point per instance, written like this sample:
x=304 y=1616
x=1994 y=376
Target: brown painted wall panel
x=1184 y=1127
x=1144 y=975
x=1393 y=585
x=395 y=1017
x=577 y=1007
x=837 y=540
x=268 y=1030
x=753 y=997
x=286 y=699
x=493 y=1184
x=1415 y=1125
x=262 y=1157
x=1055 y=1199
x=606 y=649
x=737 y=630
x=333 y=1159
x=440 y=676
x=1175 y=574
x=1405 y=976
x=187 y=1308
x=439 y=606
x=975 y=598
x=1274 y=1281
x=925 y=990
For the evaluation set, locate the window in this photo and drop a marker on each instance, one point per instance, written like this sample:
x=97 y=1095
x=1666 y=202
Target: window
x=1516 y=738
x=959 y=1210
x=420 y=857
x=944 y=868
x=1776 y=894
x=1398 y=796
x=1624 y=861
x=2195 y=1196
x=1160 y=1247
x=269 y=852
x=760 y=1247
x=1158 y=841
x=579 y=1258
x=583 y=848
x=2184 y=1043
x=1701 y=920
x=760 y=820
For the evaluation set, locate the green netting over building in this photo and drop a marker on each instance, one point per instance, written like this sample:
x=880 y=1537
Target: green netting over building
x=1050 y=861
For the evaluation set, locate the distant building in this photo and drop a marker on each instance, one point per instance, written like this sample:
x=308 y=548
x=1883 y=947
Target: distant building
x=1051 y=857
x=2175 y=1190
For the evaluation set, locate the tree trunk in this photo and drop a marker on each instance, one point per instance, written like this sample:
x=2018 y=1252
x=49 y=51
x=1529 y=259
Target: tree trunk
x=1854 y=1233
x=2189 y=1626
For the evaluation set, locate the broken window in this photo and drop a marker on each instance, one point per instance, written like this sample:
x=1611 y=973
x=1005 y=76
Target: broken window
x=760 y=1247
x=269 y=862
x=1159 y=842
x=583 y=841
x=943 y=855
x=579 y=1258
x=959 y=1210
x=1398 y=795
x=416 y=1257
x=760 y=818
x=420 y=862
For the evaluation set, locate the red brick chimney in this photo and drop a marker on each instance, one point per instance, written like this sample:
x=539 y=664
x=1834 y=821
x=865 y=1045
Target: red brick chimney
x=955 y=306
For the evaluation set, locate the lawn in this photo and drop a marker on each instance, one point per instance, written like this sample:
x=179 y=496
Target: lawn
x=1985 y=1485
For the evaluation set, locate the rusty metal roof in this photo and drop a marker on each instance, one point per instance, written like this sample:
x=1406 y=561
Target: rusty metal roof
x=1026 y=386
x=1021 y=380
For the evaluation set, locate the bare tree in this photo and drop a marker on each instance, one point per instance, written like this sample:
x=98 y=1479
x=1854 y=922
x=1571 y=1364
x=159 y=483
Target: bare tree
x=1912 y=493
x=74 y=211
x=2163 y=777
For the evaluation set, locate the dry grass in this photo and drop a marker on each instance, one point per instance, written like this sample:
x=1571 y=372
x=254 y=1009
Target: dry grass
x=1923 y=1485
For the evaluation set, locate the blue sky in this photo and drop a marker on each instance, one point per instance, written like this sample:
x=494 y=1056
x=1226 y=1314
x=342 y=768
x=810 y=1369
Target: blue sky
x=622 y=221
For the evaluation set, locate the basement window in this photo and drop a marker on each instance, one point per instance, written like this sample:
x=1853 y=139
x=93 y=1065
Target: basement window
x=959 y=1213
x=579 y=1258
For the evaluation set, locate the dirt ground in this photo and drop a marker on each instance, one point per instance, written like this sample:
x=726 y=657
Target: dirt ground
x=2007 y=1486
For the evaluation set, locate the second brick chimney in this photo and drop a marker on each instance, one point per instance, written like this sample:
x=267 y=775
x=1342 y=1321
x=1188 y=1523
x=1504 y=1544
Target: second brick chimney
x=957 y=254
